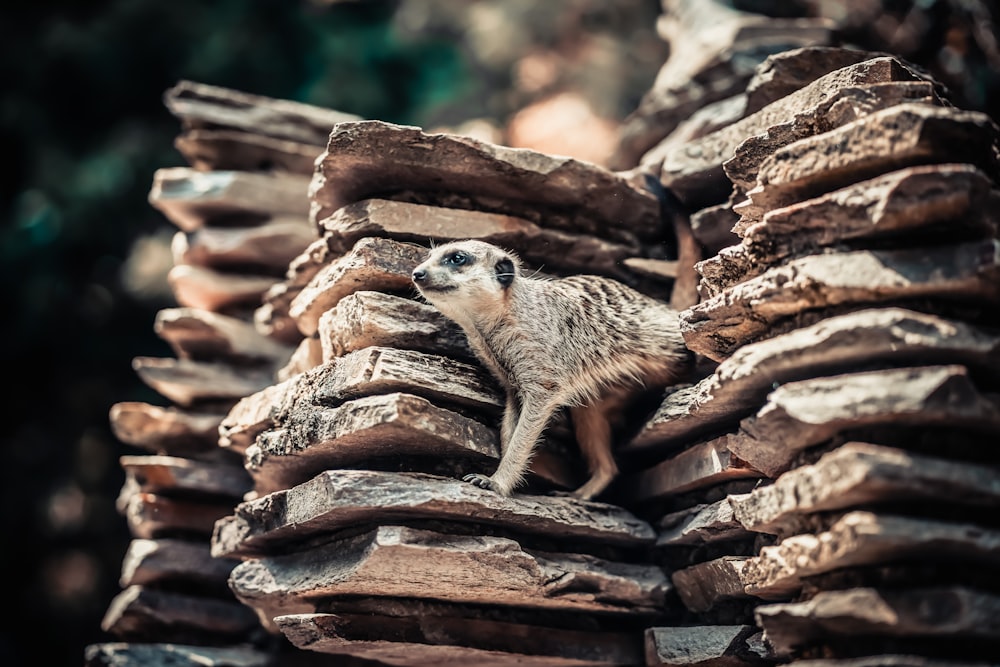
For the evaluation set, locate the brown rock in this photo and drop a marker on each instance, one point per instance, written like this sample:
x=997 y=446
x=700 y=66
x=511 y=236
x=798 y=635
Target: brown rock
x=138 y=613
x=165 y=430
x=714 y=522
x=204 y=335
x=173 y=560
x=713 y=227
x=176 y=476
x=705 y=645
x=152 y=516
x=122 y=654
x=232 y=150
x=187 y=382
x=885 y=661
x=207 y=289
x=307 y=356
x=338 y=500
x=272 y=319
x=799 y=415
x=703 y=585
x=267 y=247
x=747 y=311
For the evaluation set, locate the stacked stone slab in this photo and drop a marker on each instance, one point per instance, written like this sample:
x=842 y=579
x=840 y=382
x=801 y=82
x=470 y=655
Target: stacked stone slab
x=361 y=540
x=830 y=481
x=241 y=210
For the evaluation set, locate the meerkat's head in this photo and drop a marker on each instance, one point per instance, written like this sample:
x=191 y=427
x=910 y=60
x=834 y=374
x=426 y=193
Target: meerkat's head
x=465 y=278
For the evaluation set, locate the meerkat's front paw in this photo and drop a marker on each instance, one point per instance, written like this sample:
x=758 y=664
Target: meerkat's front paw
x=482 y=481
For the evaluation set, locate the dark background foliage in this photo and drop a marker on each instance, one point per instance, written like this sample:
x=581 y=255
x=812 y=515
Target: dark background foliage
x=83 y=129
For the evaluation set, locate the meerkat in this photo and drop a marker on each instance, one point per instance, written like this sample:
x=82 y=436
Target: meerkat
x=587 y=343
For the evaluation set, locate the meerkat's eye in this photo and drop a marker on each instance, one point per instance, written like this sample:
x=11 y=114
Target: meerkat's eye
x=457 y=258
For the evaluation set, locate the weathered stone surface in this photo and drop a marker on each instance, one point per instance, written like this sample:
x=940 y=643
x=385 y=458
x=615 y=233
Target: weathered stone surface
x=366 y=319
x=695 y=174
x=365 y=429
x=836 y=344
x=856 y=474
x=187 y=382
x=864 y=538
x=713 y=227
x=207 y=289
x=465 y=569
x=736 y=316
x=134 y=654
x=705 y=645
x=897 y=137
x=422 y=638
x=165 y=430
x=200 y=105
x=339 y=499
x=268 y=246
x=204 y=335
x=191 y=199
x=139 y=612
x=885 y=661
x=272 y=319
x=799 y=415
x=153 y=516
x=233 y=150
x=714 y=522
x=171 y=474
x=902 y=203
x=373 y=264
x=171 y=560
x=417 y=223
x=699 y=466
x=257 y=412
x=307 y=356
x=701 y=586
x=953 y=613
x=356 y=166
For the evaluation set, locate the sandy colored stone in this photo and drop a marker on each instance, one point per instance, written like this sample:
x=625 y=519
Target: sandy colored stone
x=703 y=585
x=165 y=430
x=188 y=382
x=208 y=289
x=268 y=246
x=233 y=150
x=202 y=334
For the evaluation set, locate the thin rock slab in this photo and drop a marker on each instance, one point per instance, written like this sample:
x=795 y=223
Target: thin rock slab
x=165 y=430
x=857 y=474
x=267 y=247
x=364 y=430
x=336 y=500
x=152 y=516
x=740 y=384
x=204 y=335
x=952 y=613
x=713 y=227
x=140 y=613
x=900 y=136
x=886 y=660
x=961 y=274
x=462 y=569
x=187 y=382
x=193 y=199
x=418 y=223
x=175 y=475
x=706 y=646
x=258 y=412
x=357 y=165
x=703 y=585
x=372 y=264
x=424 y=638
x=702 y=524
x=173 y=560
x=208 y=289
x=134 y=654
x=799 y=415
x=233 y=150
x=863 y=538
x=367 y=319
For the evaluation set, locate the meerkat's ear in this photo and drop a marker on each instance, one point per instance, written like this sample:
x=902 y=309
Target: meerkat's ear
x=504 y=270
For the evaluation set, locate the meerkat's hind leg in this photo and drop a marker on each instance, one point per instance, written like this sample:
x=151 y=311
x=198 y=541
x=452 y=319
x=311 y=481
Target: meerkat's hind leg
x=592 y=426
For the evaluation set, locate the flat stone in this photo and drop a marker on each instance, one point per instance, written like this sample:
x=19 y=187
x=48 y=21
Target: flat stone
x=373 y=264
x=307 y=356
x=233 y=150
x=267 y=247
x=837 y=344
x=747 y=311
x=417 y=223
x=464 y=569
x=204 y=335
x=864 y=538
x=170 y=560
x=336 y=500
x=433 y=639
x=192 y=199
x=950 y=613
x=257 y=412
x=884 y=660
x=175 y=475
x=857 y=474
x=133 y=654
x=799 y=415
x=363 y=430
x=188 y=382
x=162 y=430
x=900 y=136
x=271 y=318
x=152 y=516
x=697 y=467
x=139 y=613
x=201 y=105
x=701 y=524
x=208 y=289
x=713 y=227
x=704 y=645
x=366 y=319
x=703 y=585
x=372 y=158
x=696 y=175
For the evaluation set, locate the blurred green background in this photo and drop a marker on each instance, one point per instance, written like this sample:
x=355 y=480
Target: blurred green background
x=84 y=128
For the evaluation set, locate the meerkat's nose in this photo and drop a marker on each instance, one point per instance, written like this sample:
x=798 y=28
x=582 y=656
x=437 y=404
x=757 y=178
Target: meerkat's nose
x=419 y=275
